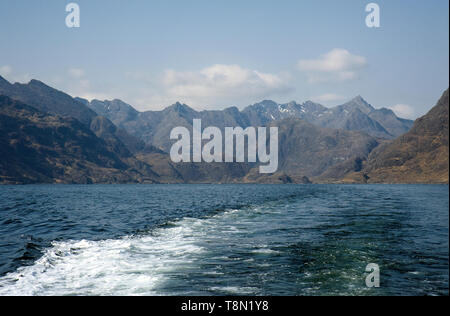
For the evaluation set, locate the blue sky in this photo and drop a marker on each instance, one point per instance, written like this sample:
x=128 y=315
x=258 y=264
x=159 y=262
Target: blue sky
x=217 y=53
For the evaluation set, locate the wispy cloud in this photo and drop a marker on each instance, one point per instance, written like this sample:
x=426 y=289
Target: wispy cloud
x=79 y=84
x=8 y=73
x=220 y=85
x=75 y=82
x=328 y=98
x=404 y=111
x=5 y=70
x=76 y=72
x=336 y=65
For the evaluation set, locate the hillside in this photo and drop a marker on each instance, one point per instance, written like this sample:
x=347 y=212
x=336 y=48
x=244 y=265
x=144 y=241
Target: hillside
x=49 y=100
x=37 y=147
x=419 y=156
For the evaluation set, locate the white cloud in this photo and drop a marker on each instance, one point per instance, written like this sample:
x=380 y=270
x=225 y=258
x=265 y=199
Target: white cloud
x=336 y=65
x=74 y=81
x=76 y=72
x=9 y=74
x=220 y=85
x=79 y=85
x=5 y=71
x=328 y=98
x=404 y=111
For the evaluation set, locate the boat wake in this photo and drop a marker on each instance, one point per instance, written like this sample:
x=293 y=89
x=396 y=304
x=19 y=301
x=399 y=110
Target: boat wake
x=133 y=265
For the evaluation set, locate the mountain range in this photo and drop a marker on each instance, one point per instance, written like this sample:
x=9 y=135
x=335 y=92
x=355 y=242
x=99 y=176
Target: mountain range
x=48 y=136
x=154 y=126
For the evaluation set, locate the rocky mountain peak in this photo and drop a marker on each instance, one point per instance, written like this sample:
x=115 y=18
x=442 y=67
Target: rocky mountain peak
x=358 y=103
x=180 y=107
x=37 y=83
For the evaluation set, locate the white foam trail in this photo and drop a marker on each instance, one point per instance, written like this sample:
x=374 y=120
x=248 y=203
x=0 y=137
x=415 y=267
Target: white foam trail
x=264 y=251
x=235 y=290
x=139 y=265
x=126 y=266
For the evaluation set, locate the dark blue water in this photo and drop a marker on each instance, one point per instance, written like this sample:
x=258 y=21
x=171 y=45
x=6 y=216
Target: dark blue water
x=223 y=239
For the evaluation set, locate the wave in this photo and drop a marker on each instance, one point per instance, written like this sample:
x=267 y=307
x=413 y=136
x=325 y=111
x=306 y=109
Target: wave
x=127 y=266
x=151 y=264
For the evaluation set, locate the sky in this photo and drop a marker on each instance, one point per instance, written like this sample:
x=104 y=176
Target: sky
x=215 y=54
